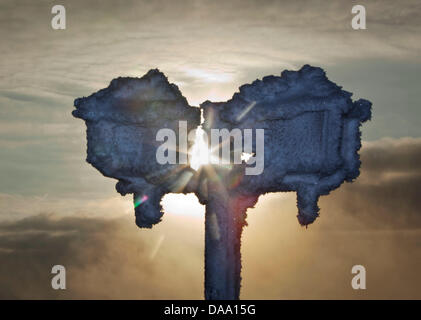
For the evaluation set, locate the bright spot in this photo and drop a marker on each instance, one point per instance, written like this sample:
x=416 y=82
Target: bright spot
x=182 y=204
x=208 y=76
x=199 y=152
x=246 y=156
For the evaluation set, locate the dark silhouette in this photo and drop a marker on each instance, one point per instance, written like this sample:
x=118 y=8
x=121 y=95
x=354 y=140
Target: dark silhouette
x=311 y=142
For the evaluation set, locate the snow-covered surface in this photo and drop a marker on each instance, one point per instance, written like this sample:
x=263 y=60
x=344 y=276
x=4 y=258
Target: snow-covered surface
x=122 y=121
x=312 y=137
x=312 y=134
x=311 y=142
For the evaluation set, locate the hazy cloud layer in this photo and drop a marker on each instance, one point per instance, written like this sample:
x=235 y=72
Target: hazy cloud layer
x=56 y=209
x=386 y=195
x=208 y=48
x=375 y=222
x=106 y=259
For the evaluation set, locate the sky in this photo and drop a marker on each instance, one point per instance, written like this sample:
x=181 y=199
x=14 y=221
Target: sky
x=57 y=209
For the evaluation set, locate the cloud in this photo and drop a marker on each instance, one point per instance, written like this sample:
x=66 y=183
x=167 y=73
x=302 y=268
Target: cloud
x=104 y=259
x=130 y=37
x=386 y=195
x=225 y=43
x=400 y=156
x=374 y=222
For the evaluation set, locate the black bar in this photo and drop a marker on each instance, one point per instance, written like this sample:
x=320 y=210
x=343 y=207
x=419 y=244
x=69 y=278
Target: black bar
x=246 y=309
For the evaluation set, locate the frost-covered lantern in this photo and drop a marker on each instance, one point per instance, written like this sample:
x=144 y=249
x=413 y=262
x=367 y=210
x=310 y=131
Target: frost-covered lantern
x=122 y=125
x=297 y=132
x=311 y=142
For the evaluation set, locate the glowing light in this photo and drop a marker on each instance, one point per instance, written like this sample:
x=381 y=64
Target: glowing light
x=246 y=156
x=183 y=205
x=209 y=76
x=199 y=153
x=140 y=200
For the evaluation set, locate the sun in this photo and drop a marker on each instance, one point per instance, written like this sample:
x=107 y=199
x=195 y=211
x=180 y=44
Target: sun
x=199 y=153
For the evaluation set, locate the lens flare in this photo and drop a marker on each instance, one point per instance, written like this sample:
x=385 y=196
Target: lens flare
x=139 y=200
